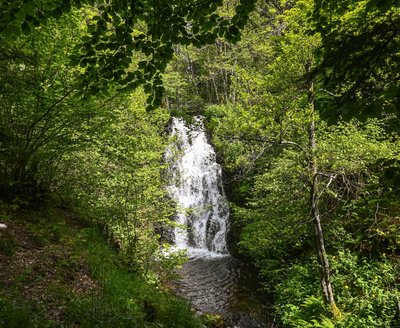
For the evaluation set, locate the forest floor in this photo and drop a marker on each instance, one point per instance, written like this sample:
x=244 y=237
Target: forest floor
x=57 y=271
x=41 y=261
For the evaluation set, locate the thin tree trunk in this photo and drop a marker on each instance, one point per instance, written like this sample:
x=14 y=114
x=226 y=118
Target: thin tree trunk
x=215 y=88
x=327 y=290
x=192 y=76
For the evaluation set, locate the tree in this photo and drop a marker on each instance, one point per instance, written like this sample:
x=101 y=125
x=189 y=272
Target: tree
x=358 y=58
x=117 y=183
x=41 y=117
x=314 y=187
x=268 y=143
x=119 y=29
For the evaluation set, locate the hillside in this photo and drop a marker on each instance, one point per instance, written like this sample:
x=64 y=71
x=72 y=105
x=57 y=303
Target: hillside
x=59 y=271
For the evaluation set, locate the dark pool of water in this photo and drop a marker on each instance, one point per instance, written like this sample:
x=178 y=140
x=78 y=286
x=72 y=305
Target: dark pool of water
x=225 y=286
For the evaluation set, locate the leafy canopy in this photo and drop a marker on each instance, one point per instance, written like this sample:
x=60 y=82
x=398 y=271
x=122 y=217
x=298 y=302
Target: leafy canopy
x=359 y=57
x=119 y=28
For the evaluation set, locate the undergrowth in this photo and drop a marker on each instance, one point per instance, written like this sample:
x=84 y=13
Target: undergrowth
x=61 y=274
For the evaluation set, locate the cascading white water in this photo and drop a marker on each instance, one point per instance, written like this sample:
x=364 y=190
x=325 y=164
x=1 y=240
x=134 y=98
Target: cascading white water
x=212 y=280
x=196 y=185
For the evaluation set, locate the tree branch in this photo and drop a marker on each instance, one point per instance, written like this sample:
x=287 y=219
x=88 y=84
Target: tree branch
x=269 y=141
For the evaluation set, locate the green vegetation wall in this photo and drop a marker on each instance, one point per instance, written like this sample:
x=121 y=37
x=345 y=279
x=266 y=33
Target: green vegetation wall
x=255 y=97
x=100 y=155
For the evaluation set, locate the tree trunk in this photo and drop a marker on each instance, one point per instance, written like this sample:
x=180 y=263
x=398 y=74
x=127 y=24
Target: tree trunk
x=327 y=290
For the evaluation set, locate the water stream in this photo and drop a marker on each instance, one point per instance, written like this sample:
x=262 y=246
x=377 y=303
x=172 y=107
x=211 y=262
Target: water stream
x=213 y=280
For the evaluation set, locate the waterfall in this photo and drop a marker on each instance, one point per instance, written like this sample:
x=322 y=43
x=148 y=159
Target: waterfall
x=196 y=186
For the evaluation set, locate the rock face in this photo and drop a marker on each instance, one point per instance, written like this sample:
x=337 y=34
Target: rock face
x=196 y=185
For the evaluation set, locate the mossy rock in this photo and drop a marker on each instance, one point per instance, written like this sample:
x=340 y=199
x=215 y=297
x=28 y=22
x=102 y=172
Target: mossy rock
x=214 y=320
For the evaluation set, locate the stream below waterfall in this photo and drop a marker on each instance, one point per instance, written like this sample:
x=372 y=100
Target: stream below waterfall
x=212 y=280
x=224 y=286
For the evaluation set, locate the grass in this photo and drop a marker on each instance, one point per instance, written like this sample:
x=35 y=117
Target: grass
x=62 y=274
